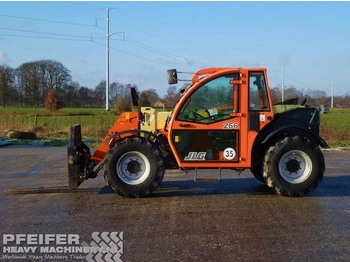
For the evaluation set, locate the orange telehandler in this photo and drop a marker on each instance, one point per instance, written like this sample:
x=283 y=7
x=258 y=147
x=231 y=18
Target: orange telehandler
x=224 y=120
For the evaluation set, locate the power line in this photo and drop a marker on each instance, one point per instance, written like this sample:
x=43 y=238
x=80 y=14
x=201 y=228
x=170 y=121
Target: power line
x=88 y=39
x=134 y=42
x=44 y=33
x=147 y=59
x=49 y=38
x=143 y=22
x=163 y=33
x=137 y=56
x=85 y=38
x=150 y=48
x=158 y=51
x=77 y=5
x=44 y=20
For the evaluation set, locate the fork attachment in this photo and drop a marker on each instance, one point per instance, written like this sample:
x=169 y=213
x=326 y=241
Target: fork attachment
x=79 y=164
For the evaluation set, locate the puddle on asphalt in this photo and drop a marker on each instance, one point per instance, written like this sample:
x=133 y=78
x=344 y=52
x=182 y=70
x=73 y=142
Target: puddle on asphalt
x=30 y=173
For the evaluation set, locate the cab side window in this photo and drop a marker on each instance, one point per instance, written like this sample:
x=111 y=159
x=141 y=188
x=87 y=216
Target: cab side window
x=211 y=102
x=258 y=100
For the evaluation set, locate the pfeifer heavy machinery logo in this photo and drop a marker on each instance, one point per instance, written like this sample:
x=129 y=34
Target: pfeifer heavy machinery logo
x=105 y=246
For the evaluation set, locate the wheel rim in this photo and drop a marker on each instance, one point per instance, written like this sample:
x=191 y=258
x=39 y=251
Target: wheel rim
x=133 y=168
x=295 y=166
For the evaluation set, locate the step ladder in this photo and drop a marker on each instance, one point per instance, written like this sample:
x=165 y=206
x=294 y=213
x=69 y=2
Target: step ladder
x=206 y=180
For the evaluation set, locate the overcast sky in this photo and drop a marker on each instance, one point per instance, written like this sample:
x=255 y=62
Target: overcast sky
x=311 y=39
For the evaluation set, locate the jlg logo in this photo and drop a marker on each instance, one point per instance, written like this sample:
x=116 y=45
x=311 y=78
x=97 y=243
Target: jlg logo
x=192 y=156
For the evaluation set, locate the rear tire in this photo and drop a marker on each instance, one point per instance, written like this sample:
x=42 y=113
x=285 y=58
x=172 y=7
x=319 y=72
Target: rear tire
x=293 y=166
x=133 y=167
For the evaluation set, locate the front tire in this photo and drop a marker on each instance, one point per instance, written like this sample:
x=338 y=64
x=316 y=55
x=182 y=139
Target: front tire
x=293 y=166
x=133 y=167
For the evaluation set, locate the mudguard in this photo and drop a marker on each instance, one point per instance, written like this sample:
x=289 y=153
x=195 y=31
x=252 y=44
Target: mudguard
x=318 y=139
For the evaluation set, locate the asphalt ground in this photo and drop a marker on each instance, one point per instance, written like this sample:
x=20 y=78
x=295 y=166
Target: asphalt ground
x=238 y=219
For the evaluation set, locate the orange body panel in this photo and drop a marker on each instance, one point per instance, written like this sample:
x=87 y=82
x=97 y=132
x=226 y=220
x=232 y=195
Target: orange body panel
x=126 y=121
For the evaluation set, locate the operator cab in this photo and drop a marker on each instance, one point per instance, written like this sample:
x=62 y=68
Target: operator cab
x=213 y=118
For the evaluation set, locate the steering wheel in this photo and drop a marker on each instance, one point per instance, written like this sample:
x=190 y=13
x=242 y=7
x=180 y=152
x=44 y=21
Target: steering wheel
x=198 y=116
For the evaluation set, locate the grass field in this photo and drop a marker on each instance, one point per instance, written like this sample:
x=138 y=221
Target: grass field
x=95 y=122
x=335 y=127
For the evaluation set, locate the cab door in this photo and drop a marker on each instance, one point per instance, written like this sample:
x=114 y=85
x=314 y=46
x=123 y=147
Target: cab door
x=205 y=129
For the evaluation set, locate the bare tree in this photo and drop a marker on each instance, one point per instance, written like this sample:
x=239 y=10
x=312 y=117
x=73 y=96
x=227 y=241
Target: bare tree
x=116 y=90
x=316 y=97
x=122 y=98
x=143 y=99
x=28 y=80
x=85 y=97
x=28 y=85
x=171 y=96
x=100 y=93
x=291 y=92
x=53 y=74
x=122 y=105
x=276 y=95
x=151 y=95
x=70 y=94
x=7 y=77
x=35 y=77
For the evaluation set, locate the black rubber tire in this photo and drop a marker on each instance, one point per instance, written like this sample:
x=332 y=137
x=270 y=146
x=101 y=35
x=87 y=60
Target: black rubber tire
x=293 y=166
x=21 y=135
x=140 y=155
x=258 y=174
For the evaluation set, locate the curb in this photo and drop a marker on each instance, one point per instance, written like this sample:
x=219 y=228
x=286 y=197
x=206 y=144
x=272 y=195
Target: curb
x=4 y=143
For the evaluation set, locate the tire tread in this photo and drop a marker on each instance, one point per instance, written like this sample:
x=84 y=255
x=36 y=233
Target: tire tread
x=159 y=173
x=268 y=168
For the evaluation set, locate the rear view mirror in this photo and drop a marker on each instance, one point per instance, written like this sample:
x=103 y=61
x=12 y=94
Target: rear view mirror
x=172 y=76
